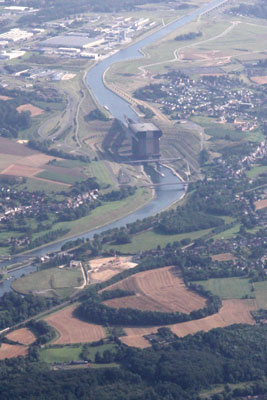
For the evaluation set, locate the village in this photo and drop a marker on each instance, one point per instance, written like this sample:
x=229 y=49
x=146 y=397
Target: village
x=225 y=99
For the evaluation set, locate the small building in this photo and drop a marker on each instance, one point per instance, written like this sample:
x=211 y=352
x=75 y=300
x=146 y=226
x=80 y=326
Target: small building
x=75 y=264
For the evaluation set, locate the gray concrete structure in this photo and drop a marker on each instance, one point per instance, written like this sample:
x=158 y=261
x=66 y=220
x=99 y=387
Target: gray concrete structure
x=145 y=140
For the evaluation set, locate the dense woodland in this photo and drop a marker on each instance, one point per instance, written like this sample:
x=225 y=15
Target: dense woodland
x=179 y=370
x=11 y=121
x=15 y=308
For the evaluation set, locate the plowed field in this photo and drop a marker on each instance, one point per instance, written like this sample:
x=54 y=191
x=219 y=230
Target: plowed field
x=9 y=350
x=157 y=290
x=232 y=312
x=72 y=330
x=23 y=336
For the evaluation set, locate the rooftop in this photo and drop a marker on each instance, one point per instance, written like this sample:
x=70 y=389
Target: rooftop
x=143 y=127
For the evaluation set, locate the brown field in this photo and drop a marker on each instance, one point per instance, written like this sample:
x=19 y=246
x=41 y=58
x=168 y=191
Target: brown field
x=17 y=159
x=232 y=312
x=191 y=54
x=104 y=268
x=21 y=170
x=5 y=98
x=34 y=111
x=223 y=257
x=260 y=204
x=8 y=146
x=261 y=80
x=10 y=350
x=23 y=336
x=72 y=330
x=36 y=160
x=157 y=290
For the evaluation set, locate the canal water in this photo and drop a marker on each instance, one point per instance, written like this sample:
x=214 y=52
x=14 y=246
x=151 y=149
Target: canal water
x=119 y=108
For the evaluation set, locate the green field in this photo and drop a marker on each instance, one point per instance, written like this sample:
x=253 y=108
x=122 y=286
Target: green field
x=107 y=213
x=72 y=353
x=228 y=288
x=255 y=171
x=61 y=355
x=33 y=185
x=59 y=177
x=229 y=233
x=150 y=240
x=261 y=294
x=100 y=171
x=49 y=281
x=236 y=288
x=219 y=131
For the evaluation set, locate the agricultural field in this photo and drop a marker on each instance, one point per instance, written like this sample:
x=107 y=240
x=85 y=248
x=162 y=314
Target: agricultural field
x=49 y=282
x=22 y=335
x=228 y=288
x=257 y=170
x=16 y=159
x=68 y=353
x=223 y=257
x=232 y=312
x=33 y=110
x=237 y=288
x=12 y=350
x=73 y=330
x=149 y=240
x=61 y=355
x=161 y=289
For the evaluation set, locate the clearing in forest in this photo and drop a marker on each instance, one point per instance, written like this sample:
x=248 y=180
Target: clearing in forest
x=223 y=257
x=260 y=204
x=33 y=110
x=73 y=330
x=160 y=289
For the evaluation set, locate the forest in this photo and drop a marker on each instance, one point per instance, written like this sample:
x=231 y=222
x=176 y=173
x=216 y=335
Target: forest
x=179 y=370
x=15 y=308
x=11 y=121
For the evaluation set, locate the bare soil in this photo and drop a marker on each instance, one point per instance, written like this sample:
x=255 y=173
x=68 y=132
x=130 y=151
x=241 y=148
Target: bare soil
x=261 y=80
x=157 y=290
x=260 y=204
x=34 y=111
x=104 y=268
x=73 y=330
x=9 y=351
x=232 y=312
x=23 y=336
x=223 y=257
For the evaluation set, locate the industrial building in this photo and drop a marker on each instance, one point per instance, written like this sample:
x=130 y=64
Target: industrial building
x=77 y=42
x=145 y=140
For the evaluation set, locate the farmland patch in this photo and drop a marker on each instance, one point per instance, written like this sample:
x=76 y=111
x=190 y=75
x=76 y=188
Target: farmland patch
x=73 y=330
x=157 y=290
